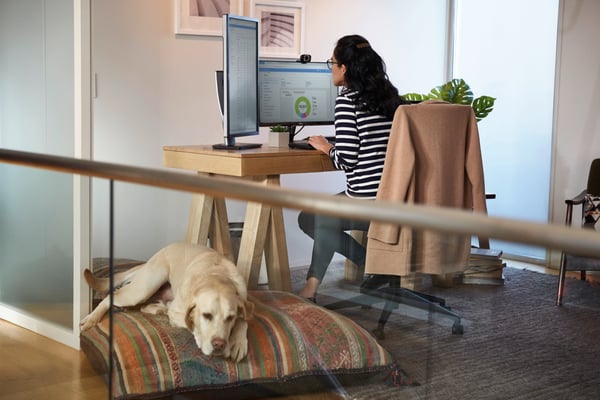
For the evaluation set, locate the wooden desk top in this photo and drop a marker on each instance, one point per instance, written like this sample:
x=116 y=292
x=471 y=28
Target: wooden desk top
x=252 y=162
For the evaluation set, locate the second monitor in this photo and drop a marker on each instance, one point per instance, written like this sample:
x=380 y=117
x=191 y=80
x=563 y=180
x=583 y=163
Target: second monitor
x=291 y=93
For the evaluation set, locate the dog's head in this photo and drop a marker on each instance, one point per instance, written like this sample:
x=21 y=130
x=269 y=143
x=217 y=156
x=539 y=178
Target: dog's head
x=212 y=315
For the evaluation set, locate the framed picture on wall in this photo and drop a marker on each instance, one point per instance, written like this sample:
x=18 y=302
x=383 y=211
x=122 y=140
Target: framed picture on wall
x=204 y=17
x=281 y=27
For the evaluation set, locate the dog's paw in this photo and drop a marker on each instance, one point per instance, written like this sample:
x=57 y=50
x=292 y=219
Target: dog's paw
x=87 y=323
x=239 y=350
x=158 y=308
x=238 y=342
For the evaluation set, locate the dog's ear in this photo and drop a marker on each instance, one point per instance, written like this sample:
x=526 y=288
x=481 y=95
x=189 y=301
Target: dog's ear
x=88 y=276
x=189 y=320
x=99 y=285
x=246 y=310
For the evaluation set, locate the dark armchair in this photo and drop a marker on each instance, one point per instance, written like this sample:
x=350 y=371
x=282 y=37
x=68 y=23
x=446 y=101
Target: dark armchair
x=589 y=200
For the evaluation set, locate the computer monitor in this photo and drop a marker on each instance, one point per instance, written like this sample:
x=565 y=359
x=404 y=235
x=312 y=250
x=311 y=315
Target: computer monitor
x=240 y=81
x=219 y=86
x=293 y=93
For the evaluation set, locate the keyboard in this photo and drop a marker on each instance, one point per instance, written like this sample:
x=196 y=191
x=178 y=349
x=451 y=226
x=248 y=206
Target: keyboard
x=304 y=145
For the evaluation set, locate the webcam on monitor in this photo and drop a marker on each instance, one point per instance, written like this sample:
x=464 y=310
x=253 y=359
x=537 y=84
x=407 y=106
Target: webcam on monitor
x=304 y=58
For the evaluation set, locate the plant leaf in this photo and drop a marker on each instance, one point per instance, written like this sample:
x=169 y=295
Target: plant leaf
x=279 y=128
x=436 y=93
x=456 y=91
x=482 y=106
x=415 y=97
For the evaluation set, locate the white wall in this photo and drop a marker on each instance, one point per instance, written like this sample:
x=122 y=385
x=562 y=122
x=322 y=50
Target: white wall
x=156 y=89
x=577 y=98
x=577 y=120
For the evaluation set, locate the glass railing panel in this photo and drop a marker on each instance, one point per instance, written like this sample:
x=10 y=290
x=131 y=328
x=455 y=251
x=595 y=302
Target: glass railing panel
x=36 y=249
x=495 y=304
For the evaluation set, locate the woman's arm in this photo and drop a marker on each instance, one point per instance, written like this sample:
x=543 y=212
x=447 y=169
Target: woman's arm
x=347 y=143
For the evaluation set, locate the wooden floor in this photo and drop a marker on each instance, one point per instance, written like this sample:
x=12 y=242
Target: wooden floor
x=34 y=367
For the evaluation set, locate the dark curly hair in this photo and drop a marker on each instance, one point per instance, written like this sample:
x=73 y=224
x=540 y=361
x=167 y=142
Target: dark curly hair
x=366 y=75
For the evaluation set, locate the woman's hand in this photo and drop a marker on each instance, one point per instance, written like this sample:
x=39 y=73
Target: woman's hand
x=320 y=143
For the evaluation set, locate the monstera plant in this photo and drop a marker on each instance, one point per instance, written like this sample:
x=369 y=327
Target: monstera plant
x=458 y=92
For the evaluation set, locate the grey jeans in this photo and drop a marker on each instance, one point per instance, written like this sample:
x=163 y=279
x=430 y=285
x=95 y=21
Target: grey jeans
x=330 y=236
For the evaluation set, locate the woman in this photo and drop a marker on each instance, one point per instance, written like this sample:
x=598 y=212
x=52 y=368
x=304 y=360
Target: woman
x=363 y=117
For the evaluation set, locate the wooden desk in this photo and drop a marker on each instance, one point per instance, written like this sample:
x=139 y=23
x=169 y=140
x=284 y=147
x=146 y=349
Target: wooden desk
x=263 y=225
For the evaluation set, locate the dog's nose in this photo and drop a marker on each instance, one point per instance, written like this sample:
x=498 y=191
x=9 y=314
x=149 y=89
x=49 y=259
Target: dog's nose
x=218 y=344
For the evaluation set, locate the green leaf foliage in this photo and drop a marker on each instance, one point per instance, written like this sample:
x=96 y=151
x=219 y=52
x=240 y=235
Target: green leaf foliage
x=457 y=91
x=415 y=97
x=482 y=106
x=279 y=128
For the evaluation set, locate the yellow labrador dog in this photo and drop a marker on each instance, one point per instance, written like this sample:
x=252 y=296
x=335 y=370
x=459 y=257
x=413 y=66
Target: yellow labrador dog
x=207 y=295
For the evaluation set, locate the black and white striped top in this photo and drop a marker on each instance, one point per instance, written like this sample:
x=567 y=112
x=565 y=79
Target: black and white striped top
x=360 y=144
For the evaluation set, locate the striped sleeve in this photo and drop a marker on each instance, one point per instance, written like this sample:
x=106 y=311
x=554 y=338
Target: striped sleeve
x=361 y=143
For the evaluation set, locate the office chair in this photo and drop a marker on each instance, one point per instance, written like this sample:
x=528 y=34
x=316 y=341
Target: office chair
x=433 y=158
x=589 y=200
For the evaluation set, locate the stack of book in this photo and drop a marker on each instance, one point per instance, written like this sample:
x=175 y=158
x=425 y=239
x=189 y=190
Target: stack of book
x=485 y=267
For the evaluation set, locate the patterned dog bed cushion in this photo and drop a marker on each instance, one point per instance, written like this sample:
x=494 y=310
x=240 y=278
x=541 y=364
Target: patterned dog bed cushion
x=291 y=342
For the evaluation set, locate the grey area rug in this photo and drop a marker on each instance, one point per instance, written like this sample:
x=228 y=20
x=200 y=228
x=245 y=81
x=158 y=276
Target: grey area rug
x=516 y=344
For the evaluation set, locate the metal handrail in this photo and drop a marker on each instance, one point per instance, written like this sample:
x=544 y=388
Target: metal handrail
x=551 y=236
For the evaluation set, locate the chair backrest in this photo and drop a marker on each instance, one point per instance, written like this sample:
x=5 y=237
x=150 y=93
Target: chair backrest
x=433 y=158
x=593 y=184
x=591 y=204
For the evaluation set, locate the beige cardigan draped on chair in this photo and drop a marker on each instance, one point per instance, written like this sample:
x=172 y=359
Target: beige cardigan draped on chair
x=433 y=158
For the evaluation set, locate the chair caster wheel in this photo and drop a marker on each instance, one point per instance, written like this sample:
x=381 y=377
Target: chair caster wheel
x=457 y=329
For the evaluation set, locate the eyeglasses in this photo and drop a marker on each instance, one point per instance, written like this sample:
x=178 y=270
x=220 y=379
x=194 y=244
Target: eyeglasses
x=330 y=63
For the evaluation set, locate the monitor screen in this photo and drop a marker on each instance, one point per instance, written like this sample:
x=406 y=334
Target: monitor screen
x=292 y=93
x=240 y=79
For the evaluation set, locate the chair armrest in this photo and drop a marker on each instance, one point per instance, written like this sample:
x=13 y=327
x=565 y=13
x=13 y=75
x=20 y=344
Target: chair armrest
x=577 y=199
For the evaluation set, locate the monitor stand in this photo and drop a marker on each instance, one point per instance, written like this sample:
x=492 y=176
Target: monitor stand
x=292 y=134
x=237 y=146
x=232 y=145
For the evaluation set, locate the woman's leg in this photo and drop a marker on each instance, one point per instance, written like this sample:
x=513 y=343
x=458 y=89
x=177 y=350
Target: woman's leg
x=330 y=236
